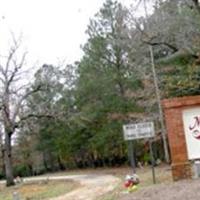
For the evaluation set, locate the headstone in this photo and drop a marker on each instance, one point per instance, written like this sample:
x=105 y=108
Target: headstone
x=16 y=196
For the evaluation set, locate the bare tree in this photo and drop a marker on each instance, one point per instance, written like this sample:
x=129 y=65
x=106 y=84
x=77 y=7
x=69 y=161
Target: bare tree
x=13 y=93
x=2 y=151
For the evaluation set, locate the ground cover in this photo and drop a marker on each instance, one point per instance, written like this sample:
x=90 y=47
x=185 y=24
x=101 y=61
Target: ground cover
x=41 y=190
x=163 y=176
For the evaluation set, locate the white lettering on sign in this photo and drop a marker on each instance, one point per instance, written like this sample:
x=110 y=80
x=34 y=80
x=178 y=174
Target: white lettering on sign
x=191 y=121
x=138 y=131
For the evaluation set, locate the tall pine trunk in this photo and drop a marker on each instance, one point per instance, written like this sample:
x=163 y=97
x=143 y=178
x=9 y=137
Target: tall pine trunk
x=8 y=161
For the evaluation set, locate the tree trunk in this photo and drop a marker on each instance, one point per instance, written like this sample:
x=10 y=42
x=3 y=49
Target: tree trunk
x=60 y=164
x=30 y=170
x=2 y=154
x=8 y=161
x=45 y=162
x=3 y=161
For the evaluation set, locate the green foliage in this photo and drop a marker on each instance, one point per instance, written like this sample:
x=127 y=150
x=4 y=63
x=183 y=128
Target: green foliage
x=22 y=171
x=2 y=175
x=103 y=87
x=88 y=102
x=181 y=60
x=180 y=80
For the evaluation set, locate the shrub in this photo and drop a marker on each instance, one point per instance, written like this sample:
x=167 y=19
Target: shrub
x=2 y=175
x=22 y=170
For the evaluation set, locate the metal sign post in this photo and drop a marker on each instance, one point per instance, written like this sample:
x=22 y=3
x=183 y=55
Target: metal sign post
x=152 y=161
x=139 y=131
x=131 y=155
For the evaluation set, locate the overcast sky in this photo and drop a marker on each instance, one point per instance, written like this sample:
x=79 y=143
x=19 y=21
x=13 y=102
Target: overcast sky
x=53 y=30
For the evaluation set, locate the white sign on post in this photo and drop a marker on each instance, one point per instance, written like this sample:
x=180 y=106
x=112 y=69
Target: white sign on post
x=191 y=121
x=138 y=131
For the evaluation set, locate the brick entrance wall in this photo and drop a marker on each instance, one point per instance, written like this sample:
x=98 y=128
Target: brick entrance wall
x=173 y=108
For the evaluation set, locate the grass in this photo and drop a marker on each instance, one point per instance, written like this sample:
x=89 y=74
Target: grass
x=43 y=191
x=38 y=191
x=162 y=172
x=163 y=175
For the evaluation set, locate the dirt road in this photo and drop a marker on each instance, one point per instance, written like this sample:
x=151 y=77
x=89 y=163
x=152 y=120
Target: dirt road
x=91 y=186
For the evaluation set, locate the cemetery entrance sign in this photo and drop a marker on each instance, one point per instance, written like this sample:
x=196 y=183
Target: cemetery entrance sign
x=191 y=122
x=182 y=117
x=138 y=131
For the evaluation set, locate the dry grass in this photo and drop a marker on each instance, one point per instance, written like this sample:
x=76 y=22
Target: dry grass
x=163 y=175
x=41 y=190
x=163 y=172
x=38 y=191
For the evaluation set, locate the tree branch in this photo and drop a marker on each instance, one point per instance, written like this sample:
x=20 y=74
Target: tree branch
x=162 y=43
x=149 y=39
x=38 y=116
x=16 y=69
x=16 y=112
x=10 y=56
x=197 y=5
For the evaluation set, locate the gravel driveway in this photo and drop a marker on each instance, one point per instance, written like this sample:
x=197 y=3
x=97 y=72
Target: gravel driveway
x=182 y=190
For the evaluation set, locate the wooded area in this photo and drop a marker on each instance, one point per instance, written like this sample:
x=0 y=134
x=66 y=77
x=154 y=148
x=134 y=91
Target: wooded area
x=71 y=116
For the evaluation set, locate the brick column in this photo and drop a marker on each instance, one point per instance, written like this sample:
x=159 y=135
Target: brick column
x=173 y=108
